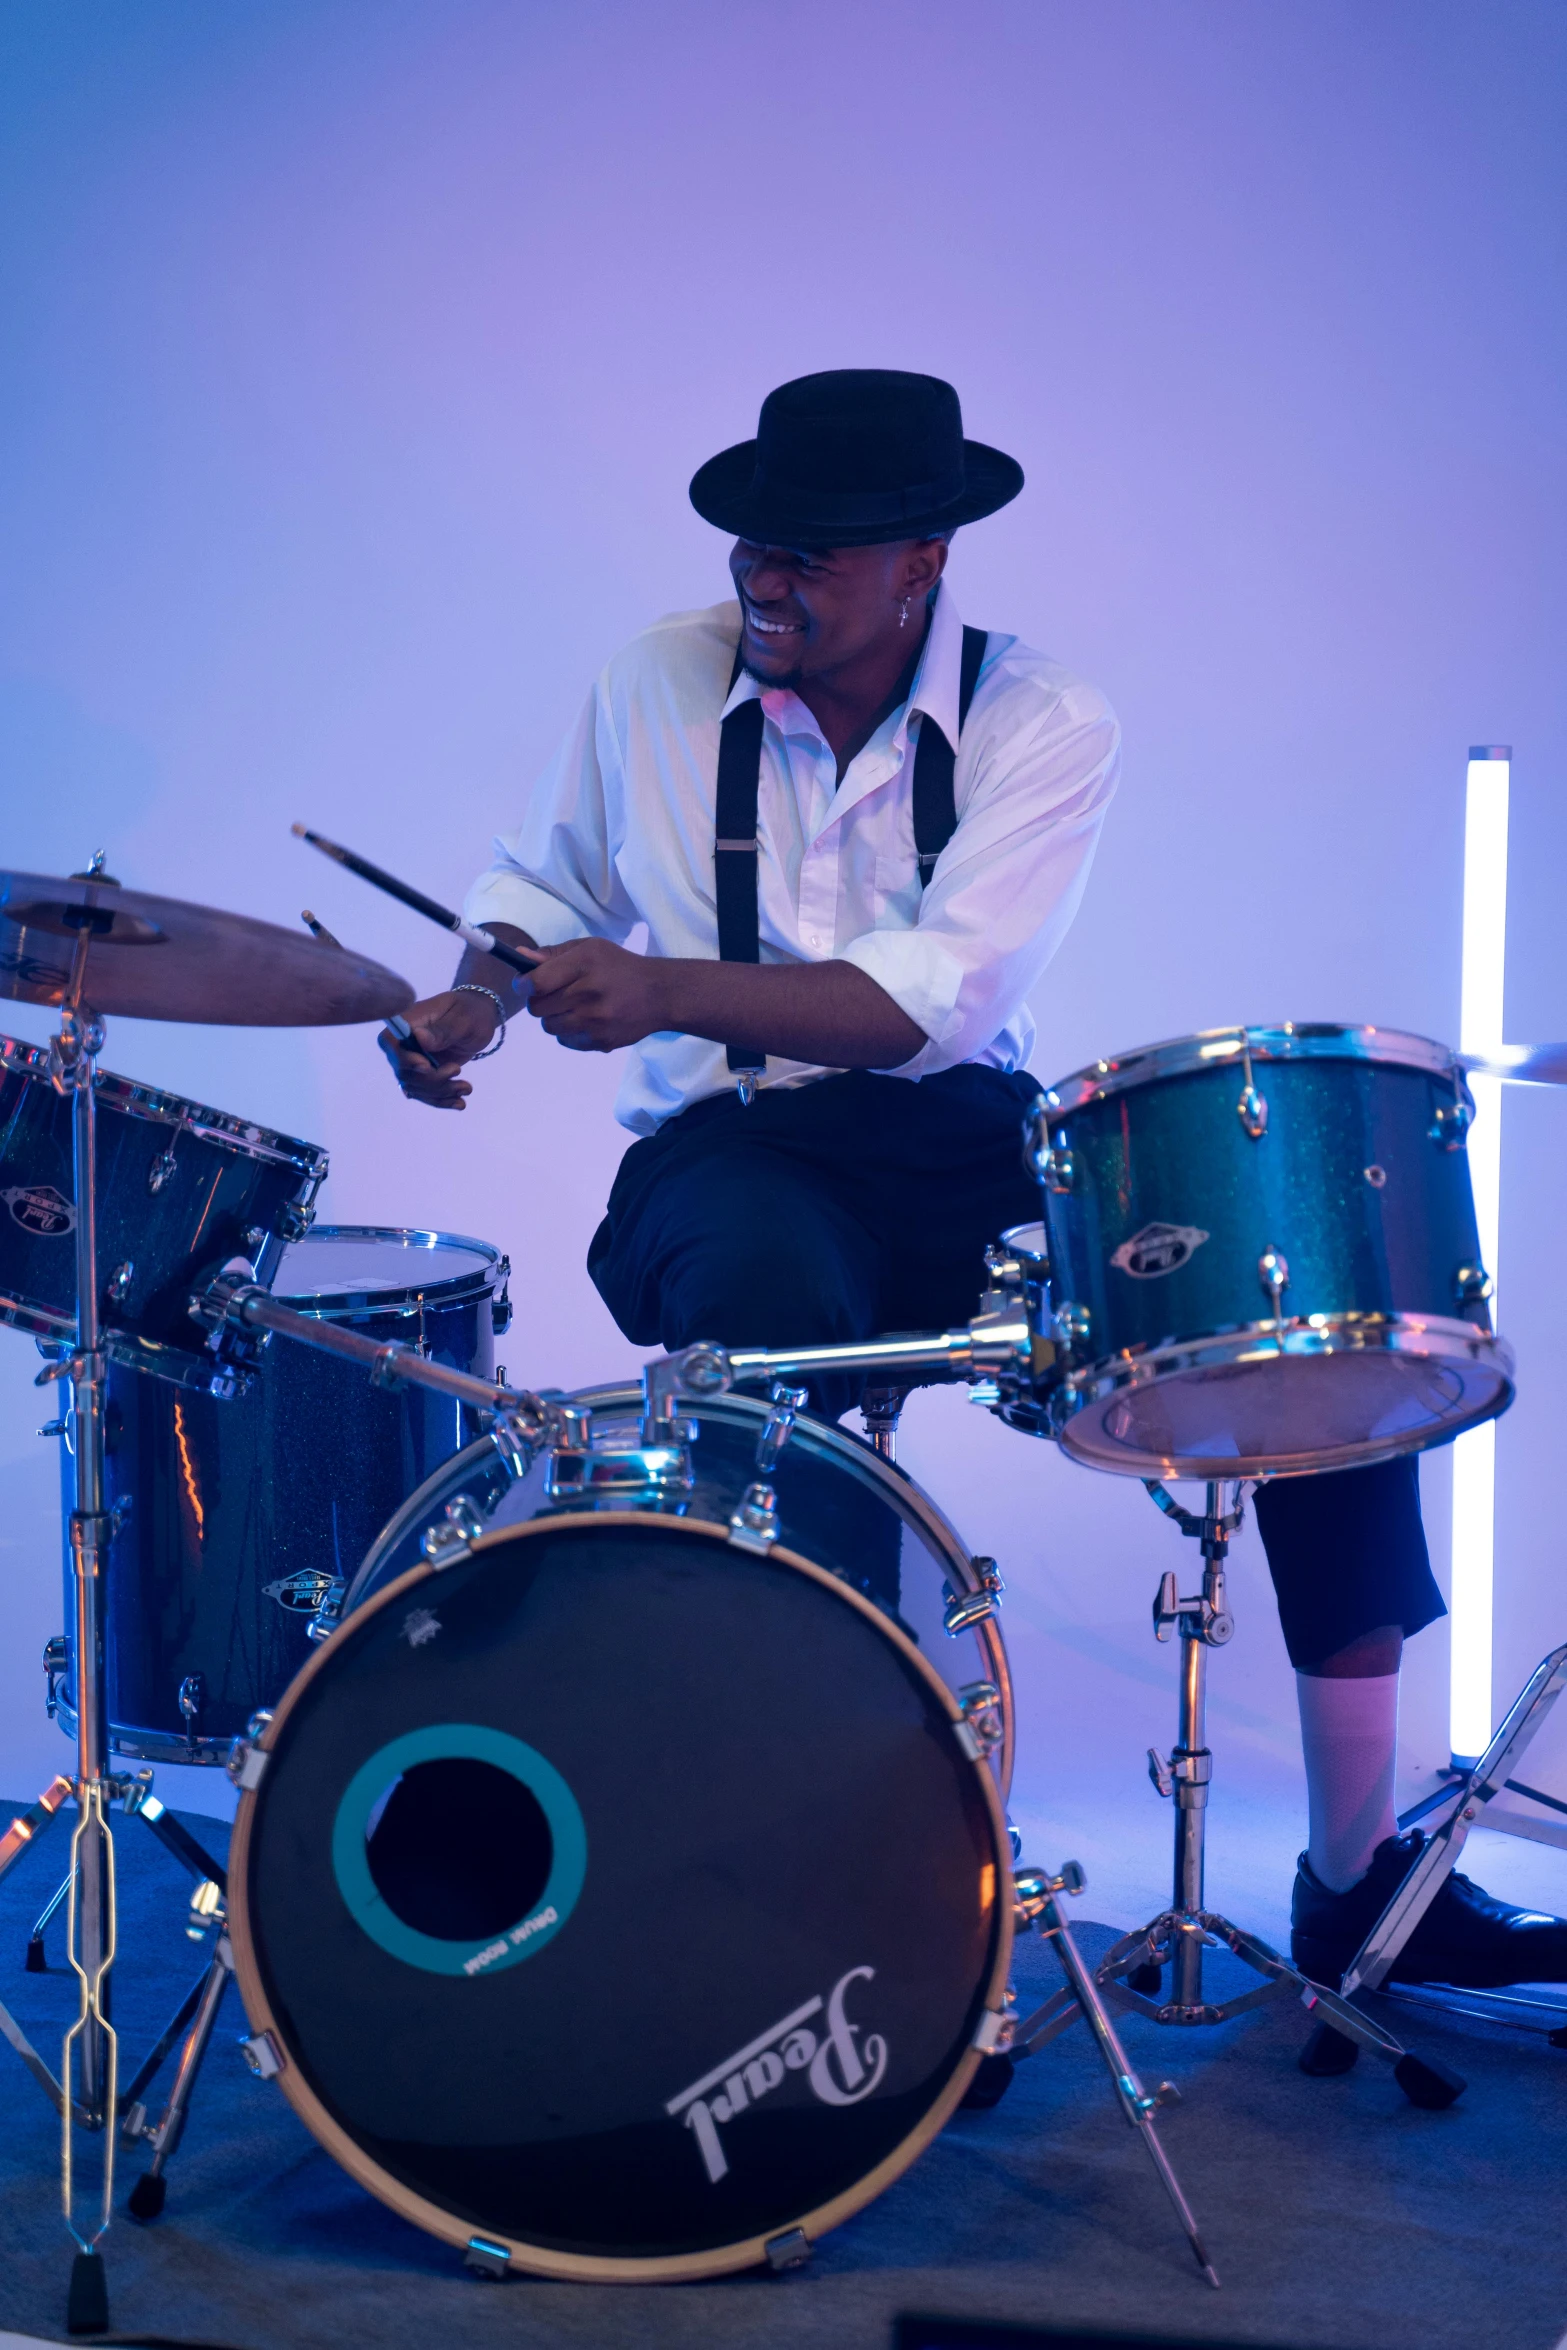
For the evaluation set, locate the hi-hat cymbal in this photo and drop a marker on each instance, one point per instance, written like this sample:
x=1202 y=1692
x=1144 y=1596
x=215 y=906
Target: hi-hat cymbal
x=160 y=959
x=1523 y=1064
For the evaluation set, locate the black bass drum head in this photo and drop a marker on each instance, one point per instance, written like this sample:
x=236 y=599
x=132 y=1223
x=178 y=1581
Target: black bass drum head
x=621 y=1897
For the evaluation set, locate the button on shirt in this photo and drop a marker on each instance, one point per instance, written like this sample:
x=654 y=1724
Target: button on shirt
x=620 y=829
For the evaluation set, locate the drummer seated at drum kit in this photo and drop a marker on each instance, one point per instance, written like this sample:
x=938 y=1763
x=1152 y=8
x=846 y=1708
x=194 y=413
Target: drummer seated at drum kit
x=830 y=1038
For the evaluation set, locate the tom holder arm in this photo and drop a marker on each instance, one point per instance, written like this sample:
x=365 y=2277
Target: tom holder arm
x=992 y=1345
x=234 y=1300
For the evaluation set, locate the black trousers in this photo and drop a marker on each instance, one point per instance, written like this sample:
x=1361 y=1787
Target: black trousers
x=861 y=1204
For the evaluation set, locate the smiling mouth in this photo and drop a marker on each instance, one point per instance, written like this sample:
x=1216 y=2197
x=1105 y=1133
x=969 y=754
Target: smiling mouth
x=761 y=627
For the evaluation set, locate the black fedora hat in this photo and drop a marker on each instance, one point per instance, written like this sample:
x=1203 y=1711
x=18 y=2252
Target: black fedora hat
x=853 y=458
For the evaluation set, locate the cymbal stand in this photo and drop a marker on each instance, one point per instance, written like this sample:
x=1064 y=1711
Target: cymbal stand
x=1037 y=1900
x=91 y=2051
x=1132 y=1969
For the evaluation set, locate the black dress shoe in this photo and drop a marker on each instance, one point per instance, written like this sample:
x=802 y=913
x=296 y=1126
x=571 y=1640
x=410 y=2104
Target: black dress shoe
x=1464 y=1937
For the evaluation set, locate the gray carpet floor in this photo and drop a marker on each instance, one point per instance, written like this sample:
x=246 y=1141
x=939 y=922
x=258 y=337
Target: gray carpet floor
x=1336 y=2213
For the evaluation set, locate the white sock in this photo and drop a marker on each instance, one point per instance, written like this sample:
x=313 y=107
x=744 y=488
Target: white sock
x=1349 y=1731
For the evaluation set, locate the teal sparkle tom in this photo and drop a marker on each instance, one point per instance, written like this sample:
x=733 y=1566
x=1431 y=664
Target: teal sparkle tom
x=1259 y=1255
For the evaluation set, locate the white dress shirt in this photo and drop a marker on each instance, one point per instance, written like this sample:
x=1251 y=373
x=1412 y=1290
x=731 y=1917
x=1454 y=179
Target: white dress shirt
x=620 y=829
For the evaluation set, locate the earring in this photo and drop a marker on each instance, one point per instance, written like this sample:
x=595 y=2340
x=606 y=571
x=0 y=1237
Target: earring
x=903 y=612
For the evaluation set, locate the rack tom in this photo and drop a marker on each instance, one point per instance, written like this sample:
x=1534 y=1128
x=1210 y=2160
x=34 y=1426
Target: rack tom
x=179 y=1188
x=1258 y=1255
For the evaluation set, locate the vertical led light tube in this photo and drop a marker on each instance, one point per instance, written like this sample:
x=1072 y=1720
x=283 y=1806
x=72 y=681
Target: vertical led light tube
x=1480 y=1030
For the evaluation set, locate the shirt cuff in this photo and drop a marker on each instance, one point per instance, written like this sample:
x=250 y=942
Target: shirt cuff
x=924 y=980
x=509 y=897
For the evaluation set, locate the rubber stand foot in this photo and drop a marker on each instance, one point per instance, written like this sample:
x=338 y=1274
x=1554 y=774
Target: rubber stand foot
x=146 y=2198
x=989 y=2085
x=1146 y=1978
x=35 y=1962
x=1328 y=2053
x=87 y=2304
x=1427 y=2083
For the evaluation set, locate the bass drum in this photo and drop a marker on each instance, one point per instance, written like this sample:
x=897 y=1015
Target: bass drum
x=839 y=1504
x=618 y=1900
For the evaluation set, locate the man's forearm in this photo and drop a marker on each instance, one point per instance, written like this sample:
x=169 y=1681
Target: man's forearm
x=832 y=1014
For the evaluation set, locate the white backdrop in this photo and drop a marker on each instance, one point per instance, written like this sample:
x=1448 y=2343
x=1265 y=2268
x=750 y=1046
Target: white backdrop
x=355 y=363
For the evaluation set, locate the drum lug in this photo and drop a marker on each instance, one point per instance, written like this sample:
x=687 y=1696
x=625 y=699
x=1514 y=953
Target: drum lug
x=981 y=1729
x=779 y=1427
x=57 y=1663
x=790 y=2250
x=443 y=1546
x=1472 y=1285
x=1274 y=1274
x=485 y=2257
x=247 y=1762
x=1252 y=1108
x=329 y=1612
x=965 y=1609
x=1252 y=1111
x=994 y=2030
x=293 y=1220
x=192 y=1697
x=1073 y=1326
x=1451 y=1123
x=263 y=2055
x=118 y=1286
x=754 y=1525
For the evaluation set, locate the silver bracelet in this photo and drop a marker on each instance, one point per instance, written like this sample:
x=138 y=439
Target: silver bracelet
x=469 y=987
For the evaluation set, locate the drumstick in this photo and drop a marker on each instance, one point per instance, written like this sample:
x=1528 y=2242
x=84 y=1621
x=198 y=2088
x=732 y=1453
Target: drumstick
x=394 y=1020
x=518 y=957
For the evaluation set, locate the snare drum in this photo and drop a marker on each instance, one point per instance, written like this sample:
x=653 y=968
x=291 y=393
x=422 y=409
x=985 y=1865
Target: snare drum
x=1259 y=1255
x=620 y=1898
x=180 y=1188
x=232 y=1518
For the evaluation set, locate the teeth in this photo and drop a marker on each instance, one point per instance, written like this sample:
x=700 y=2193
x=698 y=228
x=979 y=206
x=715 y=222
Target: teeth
x=770 y=627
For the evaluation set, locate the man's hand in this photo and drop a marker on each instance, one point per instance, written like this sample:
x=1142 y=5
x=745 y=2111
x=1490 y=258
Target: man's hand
x=447 y=1030
x=594 y=997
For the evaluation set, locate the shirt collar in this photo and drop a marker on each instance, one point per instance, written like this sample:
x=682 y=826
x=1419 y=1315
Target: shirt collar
x=934 y=692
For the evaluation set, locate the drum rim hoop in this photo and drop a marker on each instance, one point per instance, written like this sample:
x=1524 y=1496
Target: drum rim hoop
x=540 y=2260
x=1396 y=1333
x=1269 y=1043
x=334 y=1305
x=159 y=1107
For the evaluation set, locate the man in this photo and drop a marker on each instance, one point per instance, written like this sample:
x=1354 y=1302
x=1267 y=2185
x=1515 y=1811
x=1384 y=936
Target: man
x=856 y=833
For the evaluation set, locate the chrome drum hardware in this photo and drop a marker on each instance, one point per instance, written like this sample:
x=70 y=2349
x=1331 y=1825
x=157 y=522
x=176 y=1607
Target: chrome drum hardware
x=836 y=1504
x=1265 y=1259
x=249 y=1514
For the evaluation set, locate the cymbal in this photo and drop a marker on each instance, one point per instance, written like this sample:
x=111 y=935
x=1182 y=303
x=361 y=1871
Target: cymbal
x=155 y=958
x=1523 y=1064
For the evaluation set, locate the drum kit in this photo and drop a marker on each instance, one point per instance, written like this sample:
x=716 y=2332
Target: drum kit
x=621 y=1885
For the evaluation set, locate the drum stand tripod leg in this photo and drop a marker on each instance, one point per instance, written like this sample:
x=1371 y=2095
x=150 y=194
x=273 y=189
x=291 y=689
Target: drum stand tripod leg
x=1039 y=1897
x=1131 y=1970
x=163 y=2136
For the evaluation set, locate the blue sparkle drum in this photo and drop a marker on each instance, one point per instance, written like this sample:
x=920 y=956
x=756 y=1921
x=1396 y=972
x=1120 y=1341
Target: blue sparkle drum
x=180 y=1187
x=1258 y=1256
x=233 y=1517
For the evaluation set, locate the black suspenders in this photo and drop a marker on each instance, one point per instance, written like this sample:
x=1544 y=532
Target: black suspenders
x=739 y=778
